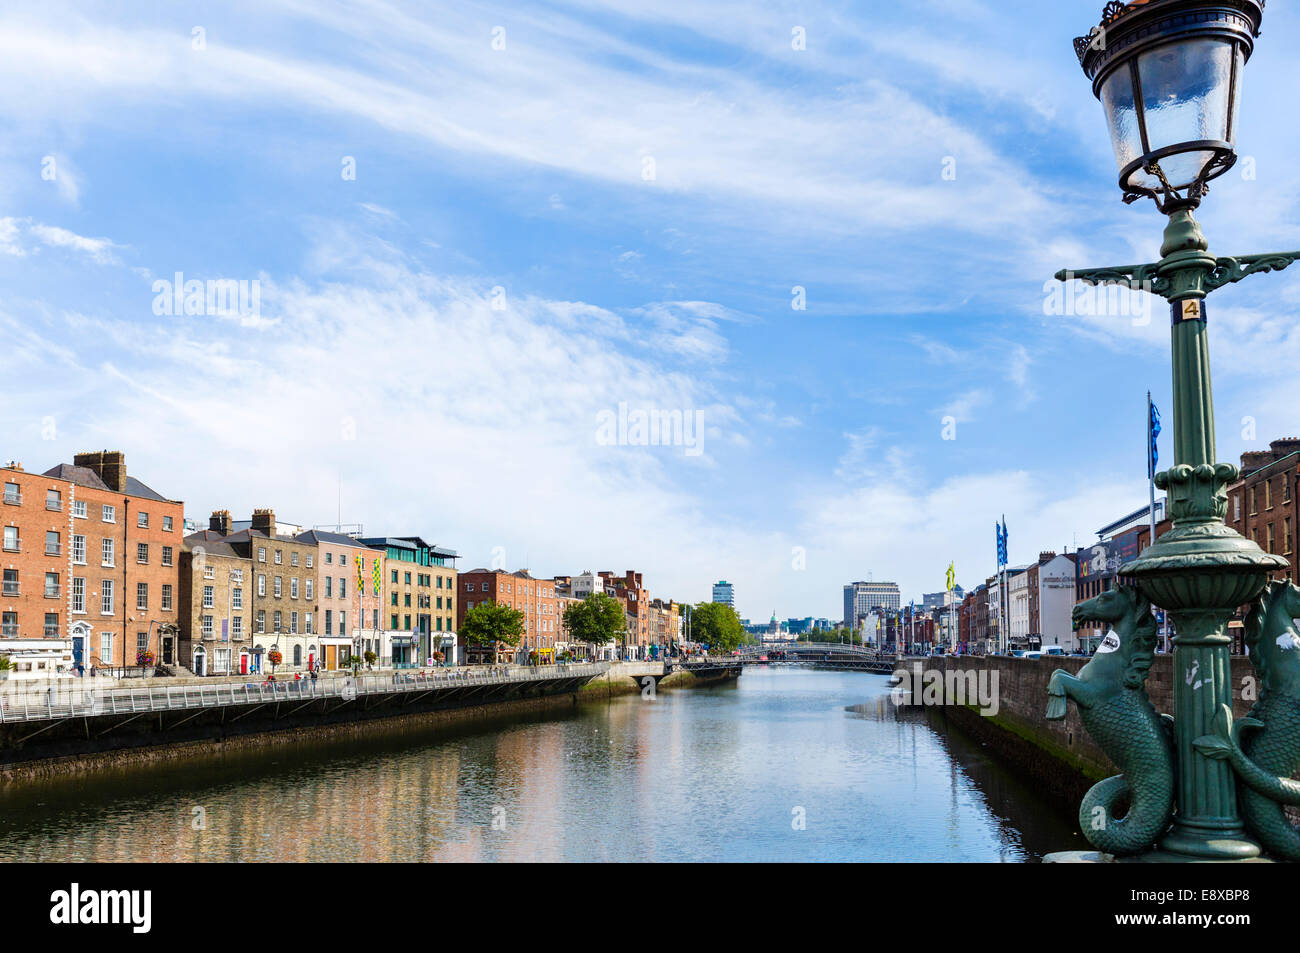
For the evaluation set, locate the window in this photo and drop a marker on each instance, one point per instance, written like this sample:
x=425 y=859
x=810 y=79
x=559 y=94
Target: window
x=261 y=620
x=108 y=514
x=343 y=623
x=310 y=560
x=237 y=575
x=12 y=494
x=53 y=545
x=1253 y=508
x=106 y=597
x=142 y=641
x=310 y=587
x=142 y=595
x=293 y=622
x=207 y=597
x=207 y=627
x=293 y=559
x=279 y=557
x=106 y=552
x=1268 y=494
x=407 y=620
x=393 y=596
x=469 y=587
x=167 y=597
x=142 y=520
x=11 y=539
x=484 y=587
x=408 y=600
x=329 y=621
x=343 y=588
x=51 y=585
x=306 y=622
x=79 y=509
x=329 y=559
x=469 y=605
x=407 y=579
x=297 y=655
x=209 y=572
x=167 y=524
x=293 y=588
x=1286 y=536
x=236 y=598
x=142 y=553
x=106 y=647
x=277 y=587
x=261 y=584
x=394 y=625
x=54 y=501
x=78 y=594
x=329 y=587
x=237 y=627
x=394 y=577
x=261 y=554
x=1236 y=506
x=1270 y=538
x=166 y=555
x=51 y=625
x=11 y=582
x=275 y=620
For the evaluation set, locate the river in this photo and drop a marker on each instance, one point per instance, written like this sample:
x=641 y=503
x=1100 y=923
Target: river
x=784 y=765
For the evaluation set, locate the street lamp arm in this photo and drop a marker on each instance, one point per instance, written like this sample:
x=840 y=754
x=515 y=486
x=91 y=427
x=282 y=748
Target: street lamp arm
x=1228 y=270
x=1136 y=277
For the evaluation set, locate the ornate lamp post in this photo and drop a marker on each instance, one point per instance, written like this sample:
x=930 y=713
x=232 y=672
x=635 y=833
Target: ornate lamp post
x=1168 y=75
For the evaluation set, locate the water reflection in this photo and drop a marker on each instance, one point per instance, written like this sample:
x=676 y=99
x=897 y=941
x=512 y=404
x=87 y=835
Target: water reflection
x=714 y=774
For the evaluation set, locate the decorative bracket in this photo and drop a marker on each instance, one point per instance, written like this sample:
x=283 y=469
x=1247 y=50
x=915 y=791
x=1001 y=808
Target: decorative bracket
x=1228 y=270
x=1135 y=277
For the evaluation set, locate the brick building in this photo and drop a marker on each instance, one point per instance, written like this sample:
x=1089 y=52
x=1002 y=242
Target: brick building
x=1262 y=504
x=121 y=543
x=630 y=590
x=215 y=604
x=535 y=598
x=283 y=592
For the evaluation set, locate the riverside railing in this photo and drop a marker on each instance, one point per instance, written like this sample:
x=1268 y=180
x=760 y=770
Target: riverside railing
x=76 y=700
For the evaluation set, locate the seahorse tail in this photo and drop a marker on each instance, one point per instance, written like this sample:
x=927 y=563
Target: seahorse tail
x=1149 y=812
x=1267 y=820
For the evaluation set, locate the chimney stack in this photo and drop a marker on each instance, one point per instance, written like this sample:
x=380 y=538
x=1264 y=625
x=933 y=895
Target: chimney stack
x=108 y=465
x=220 y=522
x=264 y=521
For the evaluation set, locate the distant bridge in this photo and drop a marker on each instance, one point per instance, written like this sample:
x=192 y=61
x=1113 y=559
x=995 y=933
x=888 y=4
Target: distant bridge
x=822 y=655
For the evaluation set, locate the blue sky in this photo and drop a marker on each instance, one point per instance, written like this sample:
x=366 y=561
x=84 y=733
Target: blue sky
x=383 y=360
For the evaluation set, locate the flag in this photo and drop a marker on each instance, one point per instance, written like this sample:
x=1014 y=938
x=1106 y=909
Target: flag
x=1153 y=433
x=1002 y=545
x=952 y=575
x=1006 y=542
x=361 y=575
x=375 y=574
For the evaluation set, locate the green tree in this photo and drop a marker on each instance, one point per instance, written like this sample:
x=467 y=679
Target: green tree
x=597 y=619
x=491 y=623
x=717 y=626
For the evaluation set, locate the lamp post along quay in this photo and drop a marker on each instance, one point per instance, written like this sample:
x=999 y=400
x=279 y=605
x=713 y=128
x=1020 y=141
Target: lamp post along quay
x=1168 y=75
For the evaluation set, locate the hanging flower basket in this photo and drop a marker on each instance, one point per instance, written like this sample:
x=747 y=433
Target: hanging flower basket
x=275 y=657
x=145 y=659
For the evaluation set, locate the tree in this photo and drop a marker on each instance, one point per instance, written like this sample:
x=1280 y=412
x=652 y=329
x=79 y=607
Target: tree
x=491 y=623
x=597 y=619
x=716 y=625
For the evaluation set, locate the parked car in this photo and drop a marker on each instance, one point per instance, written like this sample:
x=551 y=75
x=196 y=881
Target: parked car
x=1055 y=650
x=1034 y=654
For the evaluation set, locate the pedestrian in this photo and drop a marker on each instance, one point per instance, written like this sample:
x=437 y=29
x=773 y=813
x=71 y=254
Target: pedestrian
x=313 y=674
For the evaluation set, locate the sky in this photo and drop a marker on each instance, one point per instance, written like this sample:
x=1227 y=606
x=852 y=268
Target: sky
x=474 y=237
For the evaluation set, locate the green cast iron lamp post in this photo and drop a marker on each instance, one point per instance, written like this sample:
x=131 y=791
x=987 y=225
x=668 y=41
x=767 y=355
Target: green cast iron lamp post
x=1168 y=75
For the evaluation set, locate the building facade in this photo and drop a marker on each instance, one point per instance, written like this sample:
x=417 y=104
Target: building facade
x=861 y=597
x=121 y=541
x=215 y=606
x=535 y=598
x=421 y=606
x=725 y=593
x=351 y=580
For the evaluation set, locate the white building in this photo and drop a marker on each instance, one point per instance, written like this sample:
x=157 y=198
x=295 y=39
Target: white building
x=725 y=593
x=861 y=597
x=1055 y=600
x=1018 y=605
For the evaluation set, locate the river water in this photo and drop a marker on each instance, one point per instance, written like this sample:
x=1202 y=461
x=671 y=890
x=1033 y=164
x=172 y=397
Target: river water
x=785 y=765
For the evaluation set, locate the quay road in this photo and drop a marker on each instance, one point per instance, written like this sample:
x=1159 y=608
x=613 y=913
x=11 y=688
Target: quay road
x=823 y=655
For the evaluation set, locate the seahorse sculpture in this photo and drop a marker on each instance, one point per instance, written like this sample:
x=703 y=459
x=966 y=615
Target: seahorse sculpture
x=1264 y=748
x=1110 y=692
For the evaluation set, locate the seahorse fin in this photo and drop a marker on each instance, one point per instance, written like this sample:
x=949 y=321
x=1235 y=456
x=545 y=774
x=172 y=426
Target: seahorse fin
x=1212 y=746
x=1243 y=725
x=1057 y=706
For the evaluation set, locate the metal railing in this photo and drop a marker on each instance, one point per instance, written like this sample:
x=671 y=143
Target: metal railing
x=91 y=697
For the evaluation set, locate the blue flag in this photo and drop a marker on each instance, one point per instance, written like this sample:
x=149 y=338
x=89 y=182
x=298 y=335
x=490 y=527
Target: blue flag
x=1006 y=542
x=1153 y=429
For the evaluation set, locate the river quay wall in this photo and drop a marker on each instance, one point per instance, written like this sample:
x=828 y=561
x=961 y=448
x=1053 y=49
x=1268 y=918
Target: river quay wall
x=1059 y=755
x=80 y=744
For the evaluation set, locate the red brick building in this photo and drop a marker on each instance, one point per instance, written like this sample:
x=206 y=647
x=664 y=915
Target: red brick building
x=630 y=590
x=535 y=598
x=1262 y=504
x=119 y=543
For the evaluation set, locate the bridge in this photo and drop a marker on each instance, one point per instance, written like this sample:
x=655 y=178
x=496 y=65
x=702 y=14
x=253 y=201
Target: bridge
x=830 y=656
x=103 y=706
